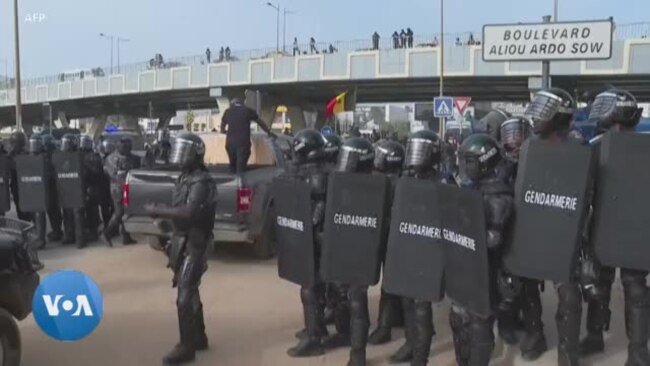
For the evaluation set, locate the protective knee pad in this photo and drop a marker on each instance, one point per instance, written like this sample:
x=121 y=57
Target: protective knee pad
x=308 y=296
x=635 y=288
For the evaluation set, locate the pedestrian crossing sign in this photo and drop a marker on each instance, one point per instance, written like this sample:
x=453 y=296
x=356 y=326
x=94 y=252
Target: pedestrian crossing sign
x=443 y=107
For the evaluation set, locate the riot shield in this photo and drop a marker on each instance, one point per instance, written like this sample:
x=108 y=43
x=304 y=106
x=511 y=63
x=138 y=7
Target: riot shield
x=551 y=193
x=354 y=239
x=467 y=271
x=294 y=231
x=5 y=177
x=414 y=262
x=621 y=216
x=32 y=183
x=70 y=187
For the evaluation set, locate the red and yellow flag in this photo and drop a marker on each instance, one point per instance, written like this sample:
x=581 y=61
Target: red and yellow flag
x=336 y=105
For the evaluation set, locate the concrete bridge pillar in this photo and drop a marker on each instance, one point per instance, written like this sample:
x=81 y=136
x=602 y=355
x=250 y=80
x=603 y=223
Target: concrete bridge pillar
x=95 y=126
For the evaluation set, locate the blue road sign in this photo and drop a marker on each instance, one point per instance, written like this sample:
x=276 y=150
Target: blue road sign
x=326 y=130
x=443 y=107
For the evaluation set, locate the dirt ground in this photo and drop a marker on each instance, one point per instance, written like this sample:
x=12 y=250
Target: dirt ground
x=250 y=314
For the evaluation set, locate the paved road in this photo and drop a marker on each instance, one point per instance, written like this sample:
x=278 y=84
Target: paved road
x=250 y=316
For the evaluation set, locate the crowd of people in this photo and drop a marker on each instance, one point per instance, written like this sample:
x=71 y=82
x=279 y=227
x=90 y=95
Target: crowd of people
x=486 y=162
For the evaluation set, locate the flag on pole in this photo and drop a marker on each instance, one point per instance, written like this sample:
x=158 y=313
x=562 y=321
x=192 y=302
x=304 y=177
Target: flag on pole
x=336 y=105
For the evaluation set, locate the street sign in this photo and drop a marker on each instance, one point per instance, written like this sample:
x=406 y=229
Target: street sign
x=462 y=103
x=443 y=107
x=587 y=40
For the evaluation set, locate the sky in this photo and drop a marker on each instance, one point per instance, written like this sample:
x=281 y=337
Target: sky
x=68 y=36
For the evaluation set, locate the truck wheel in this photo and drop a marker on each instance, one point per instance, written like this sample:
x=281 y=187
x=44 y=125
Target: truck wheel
x=264 y=244
x=9 y=340
x=156 y=243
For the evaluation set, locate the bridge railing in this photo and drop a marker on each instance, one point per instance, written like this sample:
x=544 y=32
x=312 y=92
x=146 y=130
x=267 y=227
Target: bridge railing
x=622 y=31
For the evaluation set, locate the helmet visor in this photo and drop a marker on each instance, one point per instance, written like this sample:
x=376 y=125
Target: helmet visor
x=418 y=152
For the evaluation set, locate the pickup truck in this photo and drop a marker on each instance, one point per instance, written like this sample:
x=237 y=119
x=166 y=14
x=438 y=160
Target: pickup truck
x=243 y=201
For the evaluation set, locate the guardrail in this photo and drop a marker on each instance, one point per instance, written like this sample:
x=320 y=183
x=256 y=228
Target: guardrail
x=622 y=31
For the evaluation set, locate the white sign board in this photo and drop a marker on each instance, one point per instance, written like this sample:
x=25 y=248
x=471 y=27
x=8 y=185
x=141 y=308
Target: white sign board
x=591 y=40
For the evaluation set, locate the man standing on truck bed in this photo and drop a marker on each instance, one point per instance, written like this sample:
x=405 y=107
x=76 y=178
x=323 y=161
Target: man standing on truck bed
x=192 y=213
x=238 y=118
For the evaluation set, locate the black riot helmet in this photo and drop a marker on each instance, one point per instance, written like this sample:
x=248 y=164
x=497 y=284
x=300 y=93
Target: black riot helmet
x=86 y=143
x=124 y=146
x=69 y=142
x=48 y=143
x=35 y=144
x=356 y=156
x=422 y=150
x=332 y=147
x=389 y=157
x=493 y=121
x=107 y=147
x=478 y=155
x=17 y=142
x=308 y=146
x=615 y=107
x=188 y=150
x=513 y=133
x=551 y=110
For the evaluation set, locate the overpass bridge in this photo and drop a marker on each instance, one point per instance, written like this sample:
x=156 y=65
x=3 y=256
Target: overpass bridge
x=307 y=82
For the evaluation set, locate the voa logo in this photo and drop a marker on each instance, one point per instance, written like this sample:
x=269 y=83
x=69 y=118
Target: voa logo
x=67 y=305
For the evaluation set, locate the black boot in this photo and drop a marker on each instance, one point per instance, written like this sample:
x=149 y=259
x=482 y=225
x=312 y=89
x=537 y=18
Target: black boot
x=598 y=315
x=460 y=335
x=422 y=333
x=341 y=319
x=303 y=333
x=507 y=323
x=533 y=345
x=568 y=318
x=359 y=325
x=200 y=338
x=382 y=334
x=405 y=352
x=180 y=354
x=637 y=323
x=54 y=236
x=481 y=341
x=313 y=314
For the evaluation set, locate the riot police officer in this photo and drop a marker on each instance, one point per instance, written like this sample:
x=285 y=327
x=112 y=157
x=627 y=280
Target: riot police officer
x=389 y=158
x=35 y=147
x=551 y=111
x=308 y=161
x=332 y=147
x=192 y=214
x=357 y=156
x=117 y=166
x=17 y=143
x=73 y=219
x=162 y=146
x=479 y=156
x=617 y=110
x=54 y=211
x=422 y=160
x=93 y=176
x=518 y=293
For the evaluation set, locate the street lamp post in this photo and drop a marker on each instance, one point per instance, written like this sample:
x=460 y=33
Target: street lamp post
x=118 y=51
x=110 y=38
x=555 y=10
x=442 y=60
x=284 y=33
x=19 y=117
x=277 y=36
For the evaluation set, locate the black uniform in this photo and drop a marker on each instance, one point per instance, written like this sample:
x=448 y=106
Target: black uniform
x=423 y=155
x=73 y=219
x=473 y=335
x=192 y=213
x=53 y=211
x=389 y=158
x=309 y=156
x=618 y=110
x=17 y=142
x=551 y=112
x=94 y=178
x=35 y=147
x=117 y=166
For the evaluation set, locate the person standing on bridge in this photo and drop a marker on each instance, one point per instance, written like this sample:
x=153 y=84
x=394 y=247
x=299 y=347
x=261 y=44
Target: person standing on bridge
x=238 y=118
x=395 y=40
x=208 y=54
x=312 y=46
x=375 y=41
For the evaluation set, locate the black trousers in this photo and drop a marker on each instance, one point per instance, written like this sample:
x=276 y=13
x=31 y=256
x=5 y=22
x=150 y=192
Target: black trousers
x=238 y=156
x=188 y=301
